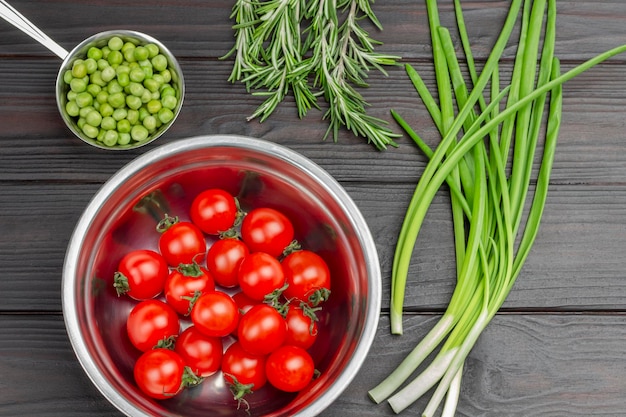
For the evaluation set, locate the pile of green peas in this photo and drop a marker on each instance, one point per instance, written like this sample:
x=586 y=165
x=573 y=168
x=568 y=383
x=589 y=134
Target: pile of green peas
x=121 y=93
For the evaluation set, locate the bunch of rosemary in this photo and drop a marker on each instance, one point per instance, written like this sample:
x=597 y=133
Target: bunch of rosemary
x=310 y=48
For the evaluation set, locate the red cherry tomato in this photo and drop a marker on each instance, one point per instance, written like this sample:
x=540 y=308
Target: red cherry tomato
x=261 y=330
x=181 y=242
x=267 y=230
x=290 y=368
x=260 y=274
x=241 y=367
x=301 y=328
x=201 y=353
x=307 y=275
x=184 y=283
x=244 y=303
x=141 y=274
x=215 y=314
x=223 y=260
x=151 y=322
x=214 y=211
x=159 y=373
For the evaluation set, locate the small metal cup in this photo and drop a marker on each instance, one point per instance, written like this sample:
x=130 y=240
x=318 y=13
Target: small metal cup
x=99 y=40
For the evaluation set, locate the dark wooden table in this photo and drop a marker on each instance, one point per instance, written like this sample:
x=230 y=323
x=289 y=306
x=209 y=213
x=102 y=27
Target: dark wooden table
x=558 y=347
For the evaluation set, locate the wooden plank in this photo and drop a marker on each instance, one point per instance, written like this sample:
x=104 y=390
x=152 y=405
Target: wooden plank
x=588 y=150
x=531 y=365
x=577 y=261
x=584 y=28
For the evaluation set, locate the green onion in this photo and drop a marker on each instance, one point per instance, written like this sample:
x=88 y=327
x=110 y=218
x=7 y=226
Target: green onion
x=486 y=156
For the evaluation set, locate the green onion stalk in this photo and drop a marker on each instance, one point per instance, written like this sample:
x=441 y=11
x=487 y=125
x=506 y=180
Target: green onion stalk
x=486 y=158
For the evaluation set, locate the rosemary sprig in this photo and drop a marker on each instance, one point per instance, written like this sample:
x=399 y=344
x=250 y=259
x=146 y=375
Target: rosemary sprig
x=310 y=48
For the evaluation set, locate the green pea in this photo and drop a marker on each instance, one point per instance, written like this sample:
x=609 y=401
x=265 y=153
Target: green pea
x=129 y=55
x=67 y=76
x=132 y=116
x=105 y=52
x=146 y=96
x=115 y=58
x=153 y=106
x=119 y=114
x=90 y=131
x=139 y=133
x=84 y=111
x=159 y=62
x=123 y=126
x=150 y=123
x=136 y=89
x=108 y=123
x=91 y=65
x=148 y=71
x=117 y=100
x=124 y=138
x=106 y=110
x=72 y=108
x=128 y=46
x=93 y=89
x=93 y=118
x=78 y=85
x=137 y=75
x=143 y=113
x=141 y=53
x=153 y=49
x=133 y=102
x=168 y=90
x=84 y=99
x=114 y=87
x=115 y=43
x=102 y=96
x=167 y=75
x=108 y=74
x=165 y=115
x=102 y=64
x=71 y=95
x=123 y=68
x=110 y=138
x=96 y=78
x=151 y=84
x=159 y=79
x=169 y=102
x=94 y=53
x=80 y=122
x=79 y=69
x=145 y=63
x=123 y=79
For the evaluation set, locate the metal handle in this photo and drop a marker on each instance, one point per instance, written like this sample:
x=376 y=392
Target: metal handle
x=8 y=13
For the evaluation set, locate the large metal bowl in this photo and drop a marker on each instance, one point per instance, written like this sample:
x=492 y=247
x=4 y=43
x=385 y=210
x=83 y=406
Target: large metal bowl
x=122 y=216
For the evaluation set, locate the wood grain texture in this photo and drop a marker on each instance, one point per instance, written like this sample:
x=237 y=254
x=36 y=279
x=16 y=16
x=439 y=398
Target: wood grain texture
x=556 y=349
x=522 y=365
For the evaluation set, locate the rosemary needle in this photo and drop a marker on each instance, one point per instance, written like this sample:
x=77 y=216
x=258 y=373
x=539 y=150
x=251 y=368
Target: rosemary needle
x=310 y=49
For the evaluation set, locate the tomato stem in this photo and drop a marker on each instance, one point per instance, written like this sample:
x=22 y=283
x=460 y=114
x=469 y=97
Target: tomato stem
x=239 y=390
x=190 y=379
x=166 y=222
x=294 y=246
x=120 y=283
x=190 y=270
